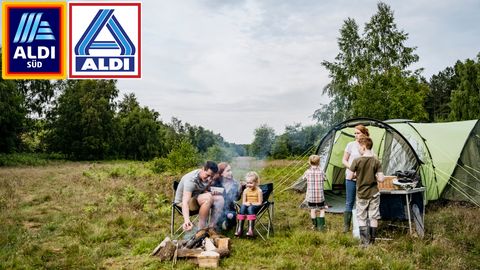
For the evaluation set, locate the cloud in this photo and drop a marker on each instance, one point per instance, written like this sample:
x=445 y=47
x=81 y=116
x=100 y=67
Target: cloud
x=231 y=66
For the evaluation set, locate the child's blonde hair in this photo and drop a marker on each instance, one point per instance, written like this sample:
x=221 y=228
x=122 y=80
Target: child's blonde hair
x=314 y=160
x=254 y=177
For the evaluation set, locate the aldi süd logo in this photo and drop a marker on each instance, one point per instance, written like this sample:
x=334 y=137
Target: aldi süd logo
x=33 y=40
x=105 y=40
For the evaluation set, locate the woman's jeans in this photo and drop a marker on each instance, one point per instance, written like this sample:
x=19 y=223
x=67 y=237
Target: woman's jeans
x=249 y=210
x=351 y=190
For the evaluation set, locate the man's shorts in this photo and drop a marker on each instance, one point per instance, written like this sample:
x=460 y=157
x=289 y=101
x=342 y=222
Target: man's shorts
x=192 y=204
x=368 y=208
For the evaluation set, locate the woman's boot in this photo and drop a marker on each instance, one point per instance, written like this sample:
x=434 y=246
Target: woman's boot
x=347 y=218
x=251 y=225
x=241 y=219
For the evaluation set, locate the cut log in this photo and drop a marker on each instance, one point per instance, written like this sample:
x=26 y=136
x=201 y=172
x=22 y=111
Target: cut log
x=161 y=245
x=208 y=259
x=222 y=243
x=223 y=252
x=166 y=252
x=188 y=253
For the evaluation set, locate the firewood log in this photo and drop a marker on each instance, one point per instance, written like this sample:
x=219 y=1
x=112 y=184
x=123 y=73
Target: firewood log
x=188 y=253
x=223 y=252
x=161 y=245
x=166 y=252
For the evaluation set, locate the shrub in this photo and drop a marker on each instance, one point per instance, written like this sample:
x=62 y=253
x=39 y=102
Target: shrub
x=182 y=157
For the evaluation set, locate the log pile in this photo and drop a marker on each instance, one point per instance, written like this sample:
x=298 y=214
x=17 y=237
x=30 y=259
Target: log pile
x=205 y=248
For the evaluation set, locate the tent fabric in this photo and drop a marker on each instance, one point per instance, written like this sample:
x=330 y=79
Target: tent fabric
x=446 y=155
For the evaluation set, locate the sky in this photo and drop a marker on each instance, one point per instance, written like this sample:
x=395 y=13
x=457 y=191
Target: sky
x=233 y=65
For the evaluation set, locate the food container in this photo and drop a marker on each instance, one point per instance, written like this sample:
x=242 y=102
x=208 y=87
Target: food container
x=387 y=183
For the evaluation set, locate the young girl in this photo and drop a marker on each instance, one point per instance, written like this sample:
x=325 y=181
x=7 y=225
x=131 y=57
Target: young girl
x=315 y=197
x=251 y=200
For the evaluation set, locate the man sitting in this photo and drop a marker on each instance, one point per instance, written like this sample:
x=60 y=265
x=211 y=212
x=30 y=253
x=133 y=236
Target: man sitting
x=192 y=195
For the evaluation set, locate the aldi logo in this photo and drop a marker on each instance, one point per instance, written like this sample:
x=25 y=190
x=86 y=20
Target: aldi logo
x=33 y=40
x=104 y=40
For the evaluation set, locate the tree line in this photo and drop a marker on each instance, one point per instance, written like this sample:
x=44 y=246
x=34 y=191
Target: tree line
x=86 y=120
x=371 y=77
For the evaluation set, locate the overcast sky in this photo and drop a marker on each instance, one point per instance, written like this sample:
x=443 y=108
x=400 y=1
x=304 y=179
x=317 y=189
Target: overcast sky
x=231 y=66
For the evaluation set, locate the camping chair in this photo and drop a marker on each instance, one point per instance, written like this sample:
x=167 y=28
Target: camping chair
x=177 y=209
x=264 y=226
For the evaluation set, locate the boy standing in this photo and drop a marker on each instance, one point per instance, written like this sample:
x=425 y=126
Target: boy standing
x=368 y=170
x=314 y=196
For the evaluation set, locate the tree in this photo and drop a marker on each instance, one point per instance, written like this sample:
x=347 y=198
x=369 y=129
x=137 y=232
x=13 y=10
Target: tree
x=441 y=87
x=373 y=67
x=262 y=143
x=465 y=99
x=38 y=95
x=12 y=114
x=139 y=130
x=83 y=123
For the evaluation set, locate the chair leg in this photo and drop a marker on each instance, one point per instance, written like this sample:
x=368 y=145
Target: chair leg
x=172 y=221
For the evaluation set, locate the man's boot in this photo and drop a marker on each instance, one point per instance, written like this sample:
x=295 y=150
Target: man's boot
x=320 y=223
x=251 y=225
x=347 y=218
x=373 y=234
x=364 y=236
x=241 y=220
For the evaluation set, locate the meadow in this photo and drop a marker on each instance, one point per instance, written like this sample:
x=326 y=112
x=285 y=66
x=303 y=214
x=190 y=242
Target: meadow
x=111 y=215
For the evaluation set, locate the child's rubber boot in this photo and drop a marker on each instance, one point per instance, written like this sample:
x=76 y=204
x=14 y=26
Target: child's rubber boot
x=241 y=220
x=320 y=223
x=364 y=236
x=373 y=234
x=251 y=225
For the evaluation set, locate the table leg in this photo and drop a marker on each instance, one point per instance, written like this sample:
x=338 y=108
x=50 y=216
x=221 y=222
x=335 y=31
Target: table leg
x=409 y=215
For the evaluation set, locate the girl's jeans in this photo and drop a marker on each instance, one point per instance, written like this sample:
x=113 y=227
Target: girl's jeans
x=351 y=189
x=249 y=210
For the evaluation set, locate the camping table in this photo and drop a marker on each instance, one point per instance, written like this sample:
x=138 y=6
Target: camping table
x=408 y=197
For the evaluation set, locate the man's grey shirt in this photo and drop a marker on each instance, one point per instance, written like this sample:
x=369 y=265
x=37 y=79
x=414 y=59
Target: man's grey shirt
x=190 y=182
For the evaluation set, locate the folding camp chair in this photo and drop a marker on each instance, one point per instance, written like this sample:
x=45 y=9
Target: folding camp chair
x=177 y=209
x=264 y=226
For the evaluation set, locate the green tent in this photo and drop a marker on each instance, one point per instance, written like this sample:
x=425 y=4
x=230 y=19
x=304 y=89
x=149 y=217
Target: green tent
x=445 y=155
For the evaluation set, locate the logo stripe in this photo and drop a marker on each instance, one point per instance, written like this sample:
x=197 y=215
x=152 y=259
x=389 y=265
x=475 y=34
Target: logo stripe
x=20 y=27
x=93 y=28
x=27 y=27
x=35 y=26
x=123 y=36
x=42 y=30
x=45 y=37
x=106 y=14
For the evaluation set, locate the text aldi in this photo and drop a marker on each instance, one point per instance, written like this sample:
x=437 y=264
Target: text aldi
x=105 y=40
x=33 y=40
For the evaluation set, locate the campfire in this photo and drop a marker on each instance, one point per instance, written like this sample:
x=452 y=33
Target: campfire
x=205 y=248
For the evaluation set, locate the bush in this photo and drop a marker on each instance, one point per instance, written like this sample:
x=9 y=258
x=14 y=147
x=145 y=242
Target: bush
x=182 y=157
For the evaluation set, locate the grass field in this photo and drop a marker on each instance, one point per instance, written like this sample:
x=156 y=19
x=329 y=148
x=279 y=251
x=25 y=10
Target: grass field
x=79 y=215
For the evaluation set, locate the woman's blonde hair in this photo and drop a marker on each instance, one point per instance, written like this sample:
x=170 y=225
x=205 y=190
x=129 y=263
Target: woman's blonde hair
x=254 y=177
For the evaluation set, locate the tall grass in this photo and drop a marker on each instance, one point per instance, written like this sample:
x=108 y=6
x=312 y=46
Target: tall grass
x=112 y=214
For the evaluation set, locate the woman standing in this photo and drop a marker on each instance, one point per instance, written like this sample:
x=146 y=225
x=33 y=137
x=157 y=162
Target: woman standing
x=351 y=153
